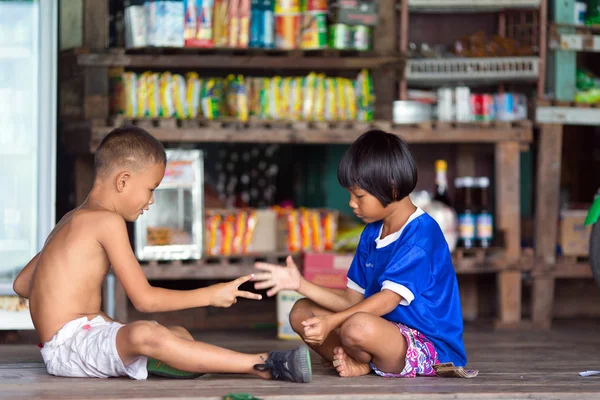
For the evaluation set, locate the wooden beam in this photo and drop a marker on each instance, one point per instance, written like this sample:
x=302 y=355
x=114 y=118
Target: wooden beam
x=542 y=300
x=385 y=81
x=548 y=192
x=543 y=44
x=95 y=24
x=509 y=292
x=390 y=60
x=508 y=200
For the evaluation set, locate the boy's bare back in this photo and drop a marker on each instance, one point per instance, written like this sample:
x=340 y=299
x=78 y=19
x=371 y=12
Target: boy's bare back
x=70 y=270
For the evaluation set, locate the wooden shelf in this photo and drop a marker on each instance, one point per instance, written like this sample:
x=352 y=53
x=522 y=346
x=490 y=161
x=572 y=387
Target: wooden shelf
x=247 y=59
x=196 y=131
x=466 y=6
x=467 y=262
x=567 y=113
x=574 y=38
x=567 y=268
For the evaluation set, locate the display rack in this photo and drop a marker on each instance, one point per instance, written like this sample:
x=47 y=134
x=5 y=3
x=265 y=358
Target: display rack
x=85 y=119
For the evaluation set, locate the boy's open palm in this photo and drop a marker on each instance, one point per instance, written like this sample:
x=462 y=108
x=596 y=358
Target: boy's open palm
x=226 y=294
x=276 y=278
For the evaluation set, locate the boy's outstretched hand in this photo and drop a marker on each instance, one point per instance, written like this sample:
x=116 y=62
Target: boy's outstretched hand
x=226 y=294
x=278 y=278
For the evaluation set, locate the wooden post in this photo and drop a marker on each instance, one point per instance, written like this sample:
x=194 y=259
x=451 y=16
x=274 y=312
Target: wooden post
x=469 y=296
x=384 y=80
x=543 y=44
x=546 y=221
x=508 y=217
x=404 y=44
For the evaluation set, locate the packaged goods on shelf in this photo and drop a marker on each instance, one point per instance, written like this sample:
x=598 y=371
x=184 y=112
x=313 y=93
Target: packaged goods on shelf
x=314 y=97
x=266 y=24
x=248 y=231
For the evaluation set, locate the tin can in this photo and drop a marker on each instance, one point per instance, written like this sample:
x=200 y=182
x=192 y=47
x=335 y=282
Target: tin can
x=445 y=104
x=314 y=31
x=506 y=108
x=314 y=5
x=287 y=6
x=463 y=106
x=361 y=37
x=339 y=36
x=266 y=39
x=483 y=107
x=287 y=31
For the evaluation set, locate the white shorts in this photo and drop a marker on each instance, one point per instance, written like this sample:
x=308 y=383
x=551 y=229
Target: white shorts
x=88 y=349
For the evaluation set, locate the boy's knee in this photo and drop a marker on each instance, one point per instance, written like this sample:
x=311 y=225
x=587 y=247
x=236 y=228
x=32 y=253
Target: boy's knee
x=356 y=329
x=301 y=310
x=145 y=335
x=181 y=332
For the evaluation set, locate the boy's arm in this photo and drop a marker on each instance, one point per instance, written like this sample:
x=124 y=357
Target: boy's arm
x=336 y=300
x=146 y=298
x=379 y=304
x=22 y=283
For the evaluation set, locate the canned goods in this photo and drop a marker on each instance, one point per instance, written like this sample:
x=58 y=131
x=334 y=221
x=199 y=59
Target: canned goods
x=339 y=36
x=445 y=101
x=505 y=104
x=314 y=31
x=483 y=107
x=463 y=105
x=361 y=37
x=287 y=31
x=287 y=6
x=267 y=39
x=314 y=5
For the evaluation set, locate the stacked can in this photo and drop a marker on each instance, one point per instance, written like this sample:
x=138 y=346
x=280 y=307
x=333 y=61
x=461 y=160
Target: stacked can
x=314 y=24
x=346 y=37
x=288 y=20
x=261 y=25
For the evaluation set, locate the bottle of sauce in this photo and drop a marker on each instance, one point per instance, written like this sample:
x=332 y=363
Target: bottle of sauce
x=484 y=220
x=441 y=183
x=466 y=215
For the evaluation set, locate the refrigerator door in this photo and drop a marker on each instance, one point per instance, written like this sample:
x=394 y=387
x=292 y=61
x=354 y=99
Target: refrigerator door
x=28 y=48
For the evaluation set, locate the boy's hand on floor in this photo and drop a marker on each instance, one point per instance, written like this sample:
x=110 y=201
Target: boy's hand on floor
x=226 y=294
x=277 y=278
x=316 y=329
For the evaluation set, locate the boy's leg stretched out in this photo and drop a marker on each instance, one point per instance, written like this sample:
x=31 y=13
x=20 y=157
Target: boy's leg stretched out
x=362 y=338
x=175 y=346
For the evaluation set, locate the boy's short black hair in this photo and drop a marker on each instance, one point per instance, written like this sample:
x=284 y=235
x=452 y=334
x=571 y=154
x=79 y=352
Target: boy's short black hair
x=128 y=146
x=381 y=164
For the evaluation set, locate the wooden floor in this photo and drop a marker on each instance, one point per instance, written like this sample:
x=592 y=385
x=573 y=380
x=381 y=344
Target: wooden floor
x=532 y=365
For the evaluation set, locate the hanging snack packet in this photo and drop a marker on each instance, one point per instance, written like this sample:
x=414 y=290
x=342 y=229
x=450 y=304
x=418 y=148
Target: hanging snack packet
x=179 y=96
x=167 y=109
x=130 y=94
x=192 y=95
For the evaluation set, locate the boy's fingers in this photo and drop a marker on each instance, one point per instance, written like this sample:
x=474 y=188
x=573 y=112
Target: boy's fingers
x=290 y=261
x=243 y=279
x=310 y=321
x=265 y=267
x=248 y=295
x=263 y=285
x=262 y=276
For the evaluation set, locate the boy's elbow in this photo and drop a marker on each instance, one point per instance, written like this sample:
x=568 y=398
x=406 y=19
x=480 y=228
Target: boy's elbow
x=19 y=288
x=143 y=306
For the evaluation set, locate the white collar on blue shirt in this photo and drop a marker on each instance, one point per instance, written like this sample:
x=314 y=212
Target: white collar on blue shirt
x=389 y=239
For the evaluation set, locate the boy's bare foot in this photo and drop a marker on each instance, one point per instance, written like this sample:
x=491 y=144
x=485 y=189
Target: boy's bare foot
x=347 y=366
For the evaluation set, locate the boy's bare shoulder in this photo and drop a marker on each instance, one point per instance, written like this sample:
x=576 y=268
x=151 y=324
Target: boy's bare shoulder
x=100 y=221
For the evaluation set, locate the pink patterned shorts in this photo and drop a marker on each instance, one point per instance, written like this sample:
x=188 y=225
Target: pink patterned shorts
x=420 y=356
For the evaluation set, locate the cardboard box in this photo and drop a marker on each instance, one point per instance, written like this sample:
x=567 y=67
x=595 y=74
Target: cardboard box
x=327 y=269
x=356 y=12
x=574 y=235
x=285 y=301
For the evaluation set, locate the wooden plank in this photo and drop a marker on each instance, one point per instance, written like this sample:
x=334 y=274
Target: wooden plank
x=543 y=45
x=508 y=201
x=547 y=192
x=568 y=115
x=95 y=24
x=241 y=62
x=542 y=301
x=509 y=292
x=465 y=166
x=386 y=32
x=95 y=93
x=251 y=133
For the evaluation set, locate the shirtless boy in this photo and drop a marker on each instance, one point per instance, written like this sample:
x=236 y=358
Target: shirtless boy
x=63 y=283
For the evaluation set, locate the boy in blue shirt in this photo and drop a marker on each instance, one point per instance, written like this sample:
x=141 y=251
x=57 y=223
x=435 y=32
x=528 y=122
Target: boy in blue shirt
x=400 y=313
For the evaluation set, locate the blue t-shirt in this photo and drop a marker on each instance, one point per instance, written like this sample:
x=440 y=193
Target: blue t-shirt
x=414 y=262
